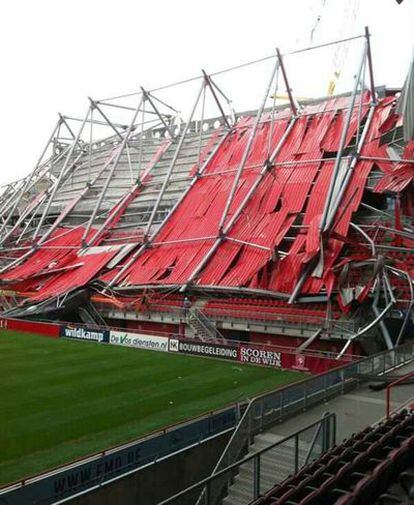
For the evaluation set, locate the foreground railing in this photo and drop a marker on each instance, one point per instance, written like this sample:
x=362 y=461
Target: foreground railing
x=269 y=409
x=279 y=460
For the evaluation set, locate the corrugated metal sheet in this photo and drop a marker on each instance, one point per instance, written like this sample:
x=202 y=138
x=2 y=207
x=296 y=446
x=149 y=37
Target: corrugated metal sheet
x=286 y=194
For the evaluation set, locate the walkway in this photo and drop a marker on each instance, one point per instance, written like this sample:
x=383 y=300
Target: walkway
x=355 y=410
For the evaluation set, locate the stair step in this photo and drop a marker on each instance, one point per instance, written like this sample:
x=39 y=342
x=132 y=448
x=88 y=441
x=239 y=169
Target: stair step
x=275 y=466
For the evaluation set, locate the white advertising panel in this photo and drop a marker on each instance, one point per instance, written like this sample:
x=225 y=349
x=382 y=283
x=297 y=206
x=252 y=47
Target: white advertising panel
x=138 y=340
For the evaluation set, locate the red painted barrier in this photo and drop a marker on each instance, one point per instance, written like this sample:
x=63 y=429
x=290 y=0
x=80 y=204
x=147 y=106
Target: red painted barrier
x=47 y=329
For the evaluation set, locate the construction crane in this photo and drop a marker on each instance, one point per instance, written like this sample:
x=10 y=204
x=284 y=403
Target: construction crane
x=347 y=15
x=351 y=8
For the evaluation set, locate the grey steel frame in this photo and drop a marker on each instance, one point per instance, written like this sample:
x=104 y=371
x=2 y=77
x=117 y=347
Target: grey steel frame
x=73 y=152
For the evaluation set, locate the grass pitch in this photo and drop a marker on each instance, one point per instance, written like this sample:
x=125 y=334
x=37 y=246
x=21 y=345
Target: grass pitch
x=63 y=399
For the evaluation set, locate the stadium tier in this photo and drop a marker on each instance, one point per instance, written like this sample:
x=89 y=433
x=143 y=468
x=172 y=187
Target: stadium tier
x=291 y=225
x=374 y=467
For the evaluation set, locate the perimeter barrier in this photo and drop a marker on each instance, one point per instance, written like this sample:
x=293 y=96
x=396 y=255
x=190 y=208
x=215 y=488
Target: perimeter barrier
x=280 y=357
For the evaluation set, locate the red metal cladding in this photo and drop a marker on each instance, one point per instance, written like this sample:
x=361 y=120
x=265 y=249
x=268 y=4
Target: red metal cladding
x=199 y=214
x=85 y=268
x=246 y=257
x=58 y=250
x=283 y=212
x=332 y=138
x=398 y=177
x=265 y=221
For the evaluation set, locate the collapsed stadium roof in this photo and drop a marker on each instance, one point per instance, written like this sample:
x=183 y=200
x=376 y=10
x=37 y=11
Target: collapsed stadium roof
x=302 y=202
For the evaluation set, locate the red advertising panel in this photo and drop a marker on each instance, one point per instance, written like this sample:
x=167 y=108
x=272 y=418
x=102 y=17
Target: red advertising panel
x=47 y=329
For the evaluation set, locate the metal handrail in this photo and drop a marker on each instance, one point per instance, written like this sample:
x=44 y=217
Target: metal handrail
x=269 y=318
x=273 y=407
x=229 y=446
x=315 y=438
x=206 y=323
x=259 y=315
x=232 y=468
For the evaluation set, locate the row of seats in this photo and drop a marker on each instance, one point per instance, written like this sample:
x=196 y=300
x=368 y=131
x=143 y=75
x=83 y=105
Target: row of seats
x=296 y=312
x=283 y=315
x=258 y=302
x=262 y=302
x=357 y=472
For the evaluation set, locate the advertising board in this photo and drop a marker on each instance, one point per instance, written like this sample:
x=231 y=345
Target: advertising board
x=82 y=333
x=138 y=340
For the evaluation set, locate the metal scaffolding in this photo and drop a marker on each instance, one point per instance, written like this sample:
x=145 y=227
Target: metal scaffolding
x=114 y=180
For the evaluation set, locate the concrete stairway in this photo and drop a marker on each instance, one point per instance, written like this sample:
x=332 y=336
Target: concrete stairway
x=275 y=466
x=202 y=327
x=90 y=315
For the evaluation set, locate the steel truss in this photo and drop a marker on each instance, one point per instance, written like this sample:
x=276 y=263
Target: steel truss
x=119 y=172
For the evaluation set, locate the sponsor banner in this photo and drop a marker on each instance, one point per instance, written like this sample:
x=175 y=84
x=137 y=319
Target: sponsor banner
x=296 y=361
x=139 y=340
x=300 y=362
x=96 y=335
x=260 y=356
x=207 y=349
x=174 y=345
x=75 y=478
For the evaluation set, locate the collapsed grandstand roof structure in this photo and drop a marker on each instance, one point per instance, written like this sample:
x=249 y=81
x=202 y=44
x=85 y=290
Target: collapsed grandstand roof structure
x=301 y=210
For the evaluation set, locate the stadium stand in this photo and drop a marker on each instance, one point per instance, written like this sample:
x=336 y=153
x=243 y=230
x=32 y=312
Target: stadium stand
x=372 y=467
x=293 y=220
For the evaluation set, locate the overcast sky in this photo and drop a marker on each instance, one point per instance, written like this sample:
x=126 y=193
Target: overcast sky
x=55 y=53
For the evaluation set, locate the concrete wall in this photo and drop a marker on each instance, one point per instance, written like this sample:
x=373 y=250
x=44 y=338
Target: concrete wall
x=160 y=480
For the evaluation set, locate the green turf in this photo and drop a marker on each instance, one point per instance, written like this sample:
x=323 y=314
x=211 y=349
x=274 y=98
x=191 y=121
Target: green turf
x=63 y=399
